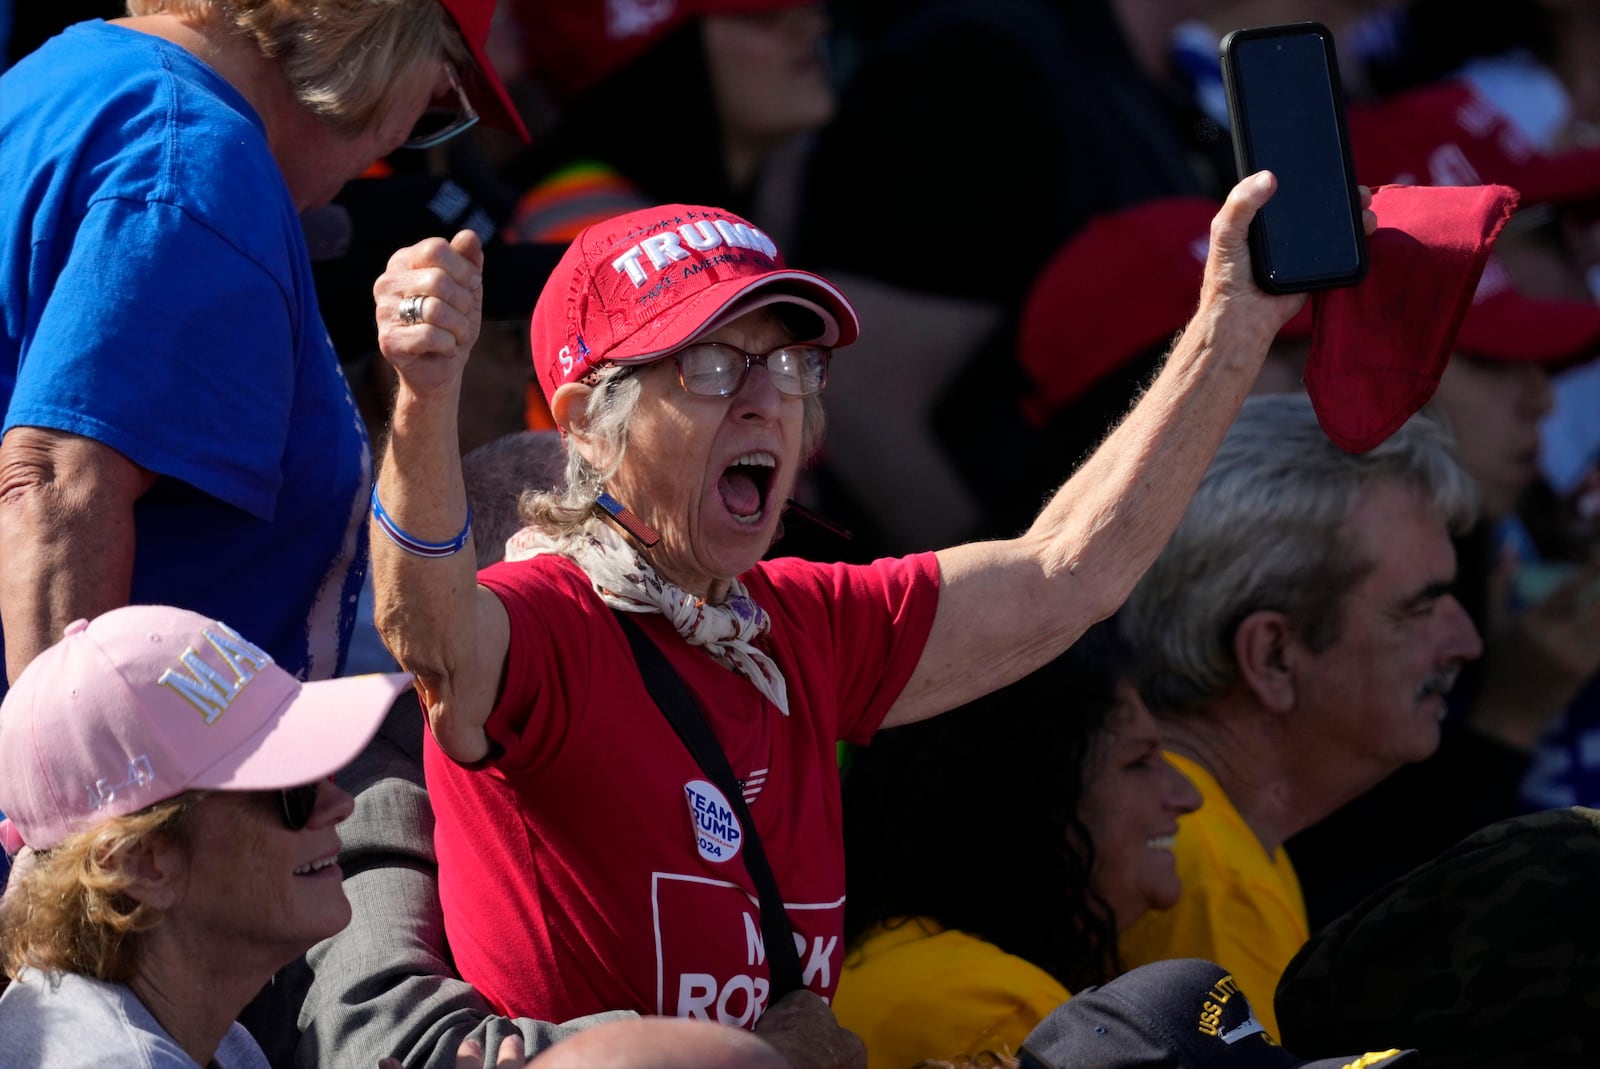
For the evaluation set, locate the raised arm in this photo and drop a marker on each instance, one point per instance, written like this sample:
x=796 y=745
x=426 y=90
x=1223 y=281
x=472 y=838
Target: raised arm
x=438 y=622
x=1006 y=607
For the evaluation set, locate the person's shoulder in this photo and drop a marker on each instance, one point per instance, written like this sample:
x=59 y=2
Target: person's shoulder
x=846 y=597
x=913 y=988
x=134 y=122
x=108 y=1027
x=239 y=1050
x=530 y=576
x=96 y=75
x=93 y=45
x=546 y=593
x=922 y=947
x=779 y=571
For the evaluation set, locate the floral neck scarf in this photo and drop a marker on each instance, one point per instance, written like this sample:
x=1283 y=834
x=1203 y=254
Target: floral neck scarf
x=626 y=581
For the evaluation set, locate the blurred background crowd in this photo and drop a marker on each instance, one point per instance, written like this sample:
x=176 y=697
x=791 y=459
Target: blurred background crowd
x=1016 y=195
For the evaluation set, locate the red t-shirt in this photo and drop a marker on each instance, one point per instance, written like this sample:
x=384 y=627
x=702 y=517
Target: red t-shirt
x=592 y=866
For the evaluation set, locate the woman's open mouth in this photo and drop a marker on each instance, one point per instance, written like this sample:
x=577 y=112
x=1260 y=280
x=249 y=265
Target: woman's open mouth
x=745 y=484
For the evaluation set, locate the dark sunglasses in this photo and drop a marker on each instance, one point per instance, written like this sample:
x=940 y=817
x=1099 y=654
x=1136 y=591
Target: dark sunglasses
x=440 y=124
x=296 y=804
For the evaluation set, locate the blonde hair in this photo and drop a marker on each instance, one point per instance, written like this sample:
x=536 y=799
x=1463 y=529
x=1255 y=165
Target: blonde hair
x=67 y=909
x=342 y=57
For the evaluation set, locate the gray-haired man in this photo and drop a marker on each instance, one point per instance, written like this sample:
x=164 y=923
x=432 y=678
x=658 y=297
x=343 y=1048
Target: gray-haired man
x=1297 y=637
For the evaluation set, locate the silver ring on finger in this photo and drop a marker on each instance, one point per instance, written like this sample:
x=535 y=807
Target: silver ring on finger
x=411 y=309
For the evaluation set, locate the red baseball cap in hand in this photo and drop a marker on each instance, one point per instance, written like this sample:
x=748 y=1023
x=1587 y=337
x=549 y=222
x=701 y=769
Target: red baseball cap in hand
x=1379 y=348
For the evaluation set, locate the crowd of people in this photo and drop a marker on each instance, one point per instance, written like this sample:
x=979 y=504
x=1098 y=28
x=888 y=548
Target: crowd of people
x=664 y=533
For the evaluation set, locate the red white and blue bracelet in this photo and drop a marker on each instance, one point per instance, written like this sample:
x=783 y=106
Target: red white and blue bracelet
x=410 y=542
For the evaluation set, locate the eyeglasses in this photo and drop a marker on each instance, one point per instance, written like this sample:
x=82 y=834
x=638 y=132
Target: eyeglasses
x=439 y=125
x=296 y=804
x=712 y=369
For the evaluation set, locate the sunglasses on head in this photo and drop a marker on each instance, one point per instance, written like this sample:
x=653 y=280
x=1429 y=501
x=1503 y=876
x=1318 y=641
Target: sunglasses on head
x=296 y=804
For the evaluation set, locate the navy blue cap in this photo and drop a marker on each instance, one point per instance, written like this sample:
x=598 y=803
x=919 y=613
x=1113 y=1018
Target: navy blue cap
x=1179 y=1014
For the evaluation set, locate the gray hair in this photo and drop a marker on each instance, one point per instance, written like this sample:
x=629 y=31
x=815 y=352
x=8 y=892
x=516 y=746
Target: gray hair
x=498 y=474
x=1266 y=531
x=568 y=510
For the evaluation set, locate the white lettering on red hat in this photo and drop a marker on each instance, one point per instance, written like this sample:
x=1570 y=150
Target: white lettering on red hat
x=717 y=834
x=204 y=687
x=1477 y=116
x=634 y=18
x=1485 y=121
x=1449 y=166
x=665 y=249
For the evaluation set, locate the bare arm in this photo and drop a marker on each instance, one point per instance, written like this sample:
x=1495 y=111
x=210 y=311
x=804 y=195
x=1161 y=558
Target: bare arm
x=437 y=620
x=1007 y=607
x=66 y=522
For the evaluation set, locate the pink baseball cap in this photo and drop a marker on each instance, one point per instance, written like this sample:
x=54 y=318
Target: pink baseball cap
x=639 y=286
x=484 y=87
x=146 y=702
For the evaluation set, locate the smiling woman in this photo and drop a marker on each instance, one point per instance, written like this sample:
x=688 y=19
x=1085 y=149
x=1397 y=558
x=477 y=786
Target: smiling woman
x=154 y=903
x=995 y=852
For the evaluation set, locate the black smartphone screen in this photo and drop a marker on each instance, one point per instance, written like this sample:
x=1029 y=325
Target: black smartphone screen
x=1288 y=118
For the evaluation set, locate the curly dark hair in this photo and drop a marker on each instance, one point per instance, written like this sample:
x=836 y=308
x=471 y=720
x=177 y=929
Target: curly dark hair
x=1001 y=777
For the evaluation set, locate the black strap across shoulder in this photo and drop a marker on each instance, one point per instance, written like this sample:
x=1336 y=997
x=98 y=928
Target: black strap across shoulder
x=678 y=705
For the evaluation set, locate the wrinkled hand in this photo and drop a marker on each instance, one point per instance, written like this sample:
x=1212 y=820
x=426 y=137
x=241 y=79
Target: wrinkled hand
x=1539 y=661
x=431 y=353
x=469 y=1055
x=1229 y=287
x=510 y=1055
x=802 y=1028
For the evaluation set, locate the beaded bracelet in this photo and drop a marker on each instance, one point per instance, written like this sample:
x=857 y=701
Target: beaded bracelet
x=410 y=542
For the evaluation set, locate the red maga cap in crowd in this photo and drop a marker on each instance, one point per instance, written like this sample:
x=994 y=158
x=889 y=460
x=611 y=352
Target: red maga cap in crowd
x=1128 y=281
x=1448 y=134
x=483 y=85
x=1506 y=325
x=573 y=45
x=637 y=287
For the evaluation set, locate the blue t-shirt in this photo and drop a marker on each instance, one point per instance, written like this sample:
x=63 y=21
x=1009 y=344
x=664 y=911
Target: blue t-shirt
x=159 y=299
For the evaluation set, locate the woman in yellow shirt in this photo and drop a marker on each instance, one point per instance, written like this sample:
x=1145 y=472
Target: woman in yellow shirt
x=989 y=871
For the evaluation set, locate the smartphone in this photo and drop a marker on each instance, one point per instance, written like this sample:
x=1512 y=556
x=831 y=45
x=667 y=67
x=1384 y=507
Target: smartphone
x=1287 y=114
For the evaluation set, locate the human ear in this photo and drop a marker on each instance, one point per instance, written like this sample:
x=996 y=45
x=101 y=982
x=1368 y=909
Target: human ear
x=155 y=867
x=569 y=405
x=1261 y=648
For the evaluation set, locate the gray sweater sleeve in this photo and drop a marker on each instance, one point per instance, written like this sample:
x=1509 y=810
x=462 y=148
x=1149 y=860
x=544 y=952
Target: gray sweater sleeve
x=384 y=986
